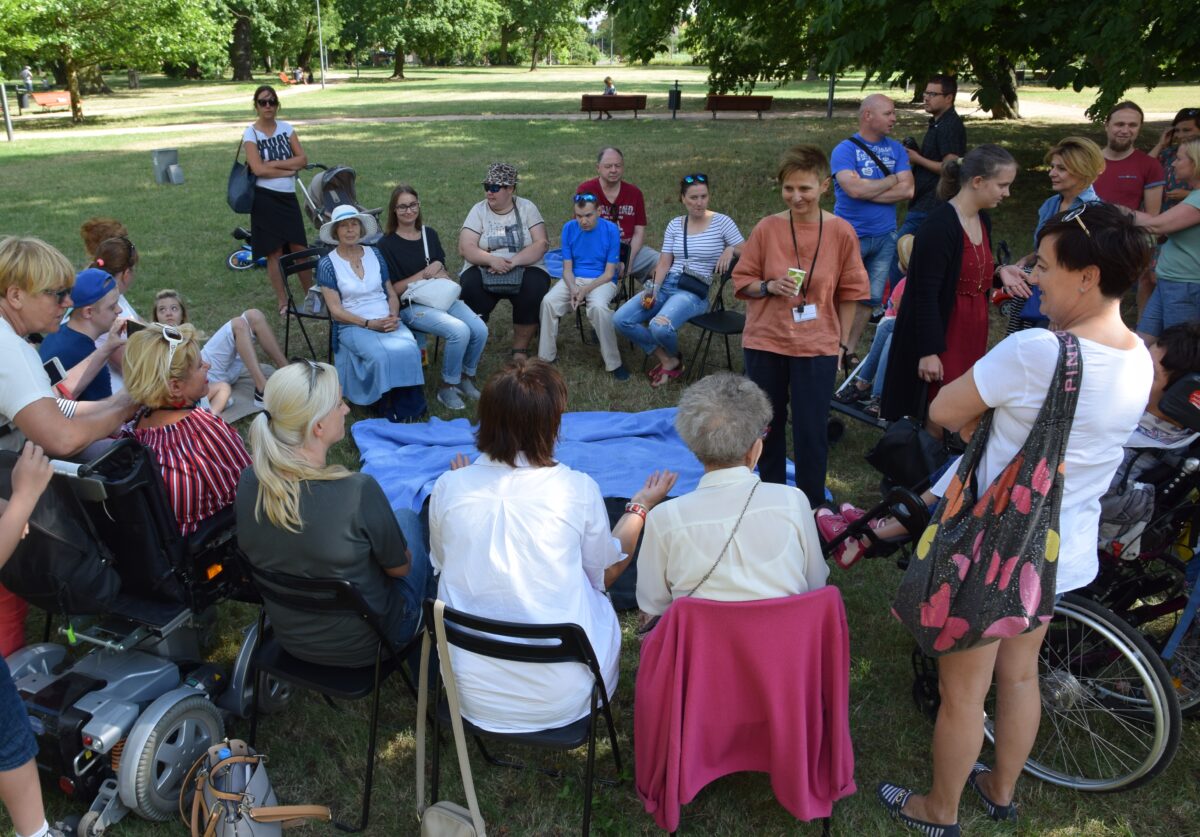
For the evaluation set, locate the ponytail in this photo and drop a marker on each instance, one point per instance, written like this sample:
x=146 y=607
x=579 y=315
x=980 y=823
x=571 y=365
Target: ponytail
x=982 y=161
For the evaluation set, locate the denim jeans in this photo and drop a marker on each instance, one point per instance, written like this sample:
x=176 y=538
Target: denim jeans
x=637 y=323
x=912 y=220
x=17 y=744
x=462 y=329
x=877 y=254
x=875 y=364
x=1173 y=302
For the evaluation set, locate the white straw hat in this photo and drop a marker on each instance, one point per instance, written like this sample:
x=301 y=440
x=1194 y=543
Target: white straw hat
x=344 y=213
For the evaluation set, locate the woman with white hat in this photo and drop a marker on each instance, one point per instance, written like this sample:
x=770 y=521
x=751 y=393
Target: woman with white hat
x=376 y=356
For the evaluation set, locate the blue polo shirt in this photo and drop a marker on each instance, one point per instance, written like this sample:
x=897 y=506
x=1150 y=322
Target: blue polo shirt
x=867 y=217
x=590 y=252
x=71 y=347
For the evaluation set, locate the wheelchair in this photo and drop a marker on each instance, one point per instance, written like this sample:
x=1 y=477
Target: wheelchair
x=127 y=705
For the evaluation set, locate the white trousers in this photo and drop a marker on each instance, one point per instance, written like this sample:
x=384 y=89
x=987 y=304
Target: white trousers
x=557 y=302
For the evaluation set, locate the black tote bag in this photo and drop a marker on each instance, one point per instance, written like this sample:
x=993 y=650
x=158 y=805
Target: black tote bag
x=240 y=189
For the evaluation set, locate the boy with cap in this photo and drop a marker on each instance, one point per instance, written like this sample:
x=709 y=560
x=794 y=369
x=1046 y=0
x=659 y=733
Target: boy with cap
x=96 y=311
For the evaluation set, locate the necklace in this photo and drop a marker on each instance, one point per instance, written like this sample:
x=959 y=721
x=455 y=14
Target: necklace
x=978 y=256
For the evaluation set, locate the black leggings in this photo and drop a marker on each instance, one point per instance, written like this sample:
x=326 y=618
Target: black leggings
x=526 y=303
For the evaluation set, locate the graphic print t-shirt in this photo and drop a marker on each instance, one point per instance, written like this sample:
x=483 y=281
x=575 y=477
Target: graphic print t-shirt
x=272 y=149
x=499 y=234
x=867 y=217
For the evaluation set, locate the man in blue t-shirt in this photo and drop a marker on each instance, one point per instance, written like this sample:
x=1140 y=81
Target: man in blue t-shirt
x=95 y=309
x=871 y=175
x=591 y=251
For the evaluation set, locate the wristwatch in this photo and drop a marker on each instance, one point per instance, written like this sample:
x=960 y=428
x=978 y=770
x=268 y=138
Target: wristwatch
x=762 y=288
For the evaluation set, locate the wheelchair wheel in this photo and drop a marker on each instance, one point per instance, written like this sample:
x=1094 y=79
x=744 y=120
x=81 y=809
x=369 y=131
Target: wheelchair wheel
x=240 y=260
x=183 y=734
x=1184 y=669
x=1110 y=718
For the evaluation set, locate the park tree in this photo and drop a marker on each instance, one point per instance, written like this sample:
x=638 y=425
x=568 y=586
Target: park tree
x=542 y=25
x=429 y=28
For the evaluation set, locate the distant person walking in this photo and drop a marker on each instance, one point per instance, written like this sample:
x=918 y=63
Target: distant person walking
x=610 y=89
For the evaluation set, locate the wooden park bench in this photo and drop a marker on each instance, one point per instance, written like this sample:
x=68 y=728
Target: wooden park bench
x=729 y=102
x=52 y=99
x=598 y=103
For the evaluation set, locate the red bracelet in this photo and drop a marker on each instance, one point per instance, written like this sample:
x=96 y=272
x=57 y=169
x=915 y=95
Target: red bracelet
x=636 y=508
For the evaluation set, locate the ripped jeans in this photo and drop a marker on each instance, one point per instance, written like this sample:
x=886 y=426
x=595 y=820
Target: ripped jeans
x=673 y=305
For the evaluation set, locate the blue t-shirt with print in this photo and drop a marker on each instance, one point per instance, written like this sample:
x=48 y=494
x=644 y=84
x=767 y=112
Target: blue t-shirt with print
x=590 y=252
x=867 y=218
x=71 y=347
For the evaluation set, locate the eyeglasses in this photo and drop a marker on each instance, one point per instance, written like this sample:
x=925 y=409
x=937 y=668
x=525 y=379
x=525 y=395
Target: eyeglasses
x=695 y=178
x=267 y=103
x=59 y=294
x=492 y=187
x=1076 y=215
x=408 y=207
x=586 y=197
x=314 y=369
x=174 y=338
x=931 y=94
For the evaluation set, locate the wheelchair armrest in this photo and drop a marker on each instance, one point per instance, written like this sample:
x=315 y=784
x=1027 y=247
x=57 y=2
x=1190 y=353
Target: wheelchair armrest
x=212 y=530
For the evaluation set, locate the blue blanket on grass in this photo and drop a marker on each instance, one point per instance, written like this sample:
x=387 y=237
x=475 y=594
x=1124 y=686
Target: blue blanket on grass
x=618 y=450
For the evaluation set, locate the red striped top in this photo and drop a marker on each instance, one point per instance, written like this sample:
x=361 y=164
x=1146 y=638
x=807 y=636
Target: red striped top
x=201 y=458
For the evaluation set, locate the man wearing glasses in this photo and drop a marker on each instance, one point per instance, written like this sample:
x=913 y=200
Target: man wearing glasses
x=945 y=139
x=621 y=202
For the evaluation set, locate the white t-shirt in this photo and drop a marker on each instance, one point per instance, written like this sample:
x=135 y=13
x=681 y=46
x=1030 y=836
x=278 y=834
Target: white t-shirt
x=118 y=382
x=703 y=249
x=272 y=148
x=364 y=297
x=526 y=545
x=1014 y=378
x=22 y=381
x=221 y=354
x=498 y=233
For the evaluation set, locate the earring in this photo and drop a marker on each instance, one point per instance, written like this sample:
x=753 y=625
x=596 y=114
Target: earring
x=1082 y=289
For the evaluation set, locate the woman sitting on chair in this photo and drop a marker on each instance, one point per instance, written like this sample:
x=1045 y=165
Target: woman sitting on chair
x=377 y=357
x=300 y=515
x=200 y=456
x=699 y=543
x=520 y=537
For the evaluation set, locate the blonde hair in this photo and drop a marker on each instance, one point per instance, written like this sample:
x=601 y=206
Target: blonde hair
x=145 y=367
x=171 y=293
x=295 y=398
x=1191 y=150
x=904 y=250
x=1081 y=156
x=33 y=266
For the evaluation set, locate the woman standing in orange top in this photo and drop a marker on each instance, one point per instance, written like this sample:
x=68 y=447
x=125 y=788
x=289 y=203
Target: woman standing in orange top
x=796 y=329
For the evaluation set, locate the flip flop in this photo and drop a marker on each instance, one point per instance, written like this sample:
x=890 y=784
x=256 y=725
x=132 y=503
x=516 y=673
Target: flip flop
x=665 y=376
x=892 y=797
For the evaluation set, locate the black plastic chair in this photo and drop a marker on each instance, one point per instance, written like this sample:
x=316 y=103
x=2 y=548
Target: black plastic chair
x=716 y=320
x=291 y=264
x=326 y=596
x=561 y=643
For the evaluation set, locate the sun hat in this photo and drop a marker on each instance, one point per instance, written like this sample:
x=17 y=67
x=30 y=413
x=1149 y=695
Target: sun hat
x=91 y=286
x=344 y=213
x=501 y=174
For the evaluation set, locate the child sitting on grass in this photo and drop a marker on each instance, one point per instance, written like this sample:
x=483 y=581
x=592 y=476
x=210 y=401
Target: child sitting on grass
x=230 y=351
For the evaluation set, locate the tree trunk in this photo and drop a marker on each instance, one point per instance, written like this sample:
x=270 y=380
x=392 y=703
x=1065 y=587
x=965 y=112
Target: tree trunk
x=91 y=81
x=534 y=47
x=917 y=87
x=59 y=69
x=241 y=51
x=997 y=87
x=398 y=68
x=135 y=79
x=307 y=45
x=72 y=74
x=811 y=75
x=506 y=33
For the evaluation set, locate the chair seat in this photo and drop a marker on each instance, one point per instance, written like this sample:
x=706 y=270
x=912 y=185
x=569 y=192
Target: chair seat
x=721 y=322
x=574 y=734
x=335 y=681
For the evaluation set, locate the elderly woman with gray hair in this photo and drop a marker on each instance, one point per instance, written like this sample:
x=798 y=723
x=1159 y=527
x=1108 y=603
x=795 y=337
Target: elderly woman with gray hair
x=735 y=538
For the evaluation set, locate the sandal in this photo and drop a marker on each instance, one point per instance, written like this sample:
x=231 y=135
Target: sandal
x=851 y=394
x=1000 y=813
x=665 y=376
x=524 y=353
x=847 y=553
x=850 y=362
x=871 y=408
x=892 y=797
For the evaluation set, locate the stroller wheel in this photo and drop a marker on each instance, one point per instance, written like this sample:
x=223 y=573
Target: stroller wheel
x=240 y=259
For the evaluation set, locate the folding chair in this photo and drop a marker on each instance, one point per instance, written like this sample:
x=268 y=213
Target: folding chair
x=716 y=320
x=291 y=264
x=560 y=643
x=327 y=596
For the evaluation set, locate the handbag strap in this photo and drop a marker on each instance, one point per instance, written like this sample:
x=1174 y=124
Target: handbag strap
x=290 y=816
x=728 y=540
x=882 y=166
x=460 y=738
x=425 y=242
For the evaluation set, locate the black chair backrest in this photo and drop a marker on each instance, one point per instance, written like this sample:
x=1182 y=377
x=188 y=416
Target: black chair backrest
x=718 y=301
x=292 y=263
x=330 y=596
x=567 y=642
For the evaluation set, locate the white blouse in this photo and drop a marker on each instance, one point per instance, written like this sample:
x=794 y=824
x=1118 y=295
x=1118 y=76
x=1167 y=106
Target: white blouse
x=363 y=297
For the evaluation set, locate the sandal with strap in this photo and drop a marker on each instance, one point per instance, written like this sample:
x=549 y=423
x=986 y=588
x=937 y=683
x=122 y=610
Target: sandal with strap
x=665 y=376
x=850 y=362
x=893 y=797
x=1000 y=813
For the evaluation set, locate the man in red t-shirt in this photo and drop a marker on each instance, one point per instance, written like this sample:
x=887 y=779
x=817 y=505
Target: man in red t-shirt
x=622 y=203
x=1131 y=178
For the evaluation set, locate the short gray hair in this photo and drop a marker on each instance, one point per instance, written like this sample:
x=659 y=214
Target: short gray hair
x=720 y=417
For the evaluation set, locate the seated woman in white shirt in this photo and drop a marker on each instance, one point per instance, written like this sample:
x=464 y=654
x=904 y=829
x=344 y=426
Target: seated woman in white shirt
x=519 y=537
x=735 y=538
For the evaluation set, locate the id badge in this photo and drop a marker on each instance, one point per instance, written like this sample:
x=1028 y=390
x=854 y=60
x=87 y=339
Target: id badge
x=804 y=313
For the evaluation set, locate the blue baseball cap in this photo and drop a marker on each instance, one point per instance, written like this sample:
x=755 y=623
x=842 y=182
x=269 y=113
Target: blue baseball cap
x=91 y=286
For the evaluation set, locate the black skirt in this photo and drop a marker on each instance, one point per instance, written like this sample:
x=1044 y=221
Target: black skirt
x=275 y=222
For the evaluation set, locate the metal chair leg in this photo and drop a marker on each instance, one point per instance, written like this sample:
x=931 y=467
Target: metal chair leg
x=253 y=674
x=587 y=779
x=728 y=354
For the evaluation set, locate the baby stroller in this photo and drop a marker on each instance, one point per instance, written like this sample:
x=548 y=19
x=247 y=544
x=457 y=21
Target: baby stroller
x=127 y=705
x=328 y=189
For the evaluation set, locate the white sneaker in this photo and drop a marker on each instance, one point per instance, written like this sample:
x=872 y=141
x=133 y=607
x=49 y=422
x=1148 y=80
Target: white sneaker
x=450 y=398
x=467 y=387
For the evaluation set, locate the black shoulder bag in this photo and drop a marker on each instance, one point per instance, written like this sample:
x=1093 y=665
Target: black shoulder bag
x=691 y=281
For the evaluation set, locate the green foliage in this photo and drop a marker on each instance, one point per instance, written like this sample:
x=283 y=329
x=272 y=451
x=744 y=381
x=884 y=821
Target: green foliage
x=546 y=26
x=435 y=30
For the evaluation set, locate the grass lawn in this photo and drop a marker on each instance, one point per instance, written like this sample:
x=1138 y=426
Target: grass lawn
x=182 y=232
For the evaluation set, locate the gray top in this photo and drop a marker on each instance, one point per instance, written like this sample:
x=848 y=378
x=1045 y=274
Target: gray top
x=350 y=533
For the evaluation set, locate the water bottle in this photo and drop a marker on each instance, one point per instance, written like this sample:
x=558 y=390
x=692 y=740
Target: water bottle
x=648 y=294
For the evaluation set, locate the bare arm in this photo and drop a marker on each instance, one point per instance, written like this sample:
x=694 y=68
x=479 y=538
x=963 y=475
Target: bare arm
x=83 y=373
x=636 y=242
x=864 y=190
x=1179 y=217
x=30 y=477
x=534 y=250
x=469 y=249
x=45 y=425
x=915 y=158
x=902 y=190
x=958 y=405
x=260 y=167
x=1152 y=199
x=657 y=486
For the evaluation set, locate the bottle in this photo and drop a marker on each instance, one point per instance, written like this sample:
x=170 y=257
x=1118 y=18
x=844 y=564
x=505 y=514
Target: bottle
x=648 y=294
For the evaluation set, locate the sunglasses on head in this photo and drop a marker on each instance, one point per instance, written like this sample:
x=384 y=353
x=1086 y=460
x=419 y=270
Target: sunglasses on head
x=695 y=178
x=1076 y=215
x=585 y=197
x=492 y=187
x=267 y=103
x=314 y=369
x=174 y=338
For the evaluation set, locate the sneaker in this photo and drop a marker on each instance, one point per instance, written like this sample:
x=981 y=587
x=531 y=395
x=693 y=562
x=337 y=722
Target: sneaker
x=876 y=316
x=450 y=398
x=621 y=373
x=258 y=398
x=468 y=389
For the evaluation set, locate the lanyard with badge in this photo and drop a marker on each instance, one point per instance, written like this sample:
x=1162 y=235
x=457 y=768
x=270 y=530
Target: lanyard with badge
x=804 y=312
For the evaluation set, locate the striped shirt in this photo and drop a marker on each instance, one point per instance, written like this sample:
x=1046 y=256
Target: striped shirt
x=201 y=458
x=703 y=249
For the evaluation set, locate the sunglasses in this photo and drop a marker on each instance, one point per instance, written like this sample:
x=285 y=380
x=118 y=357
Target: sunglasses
x=267 y=103
x=492 y=187
x=314 y=369
x=1076 y=215
x=59 y=294
x=695 y=178
x=586 y=197
x=408 y=207
x=174 y=338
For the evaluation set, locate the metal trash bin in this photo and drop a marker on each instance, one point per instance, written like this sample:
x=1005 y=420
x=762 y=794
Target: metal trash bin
x=162 y=159
x=674 y=100
x=23 y=99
